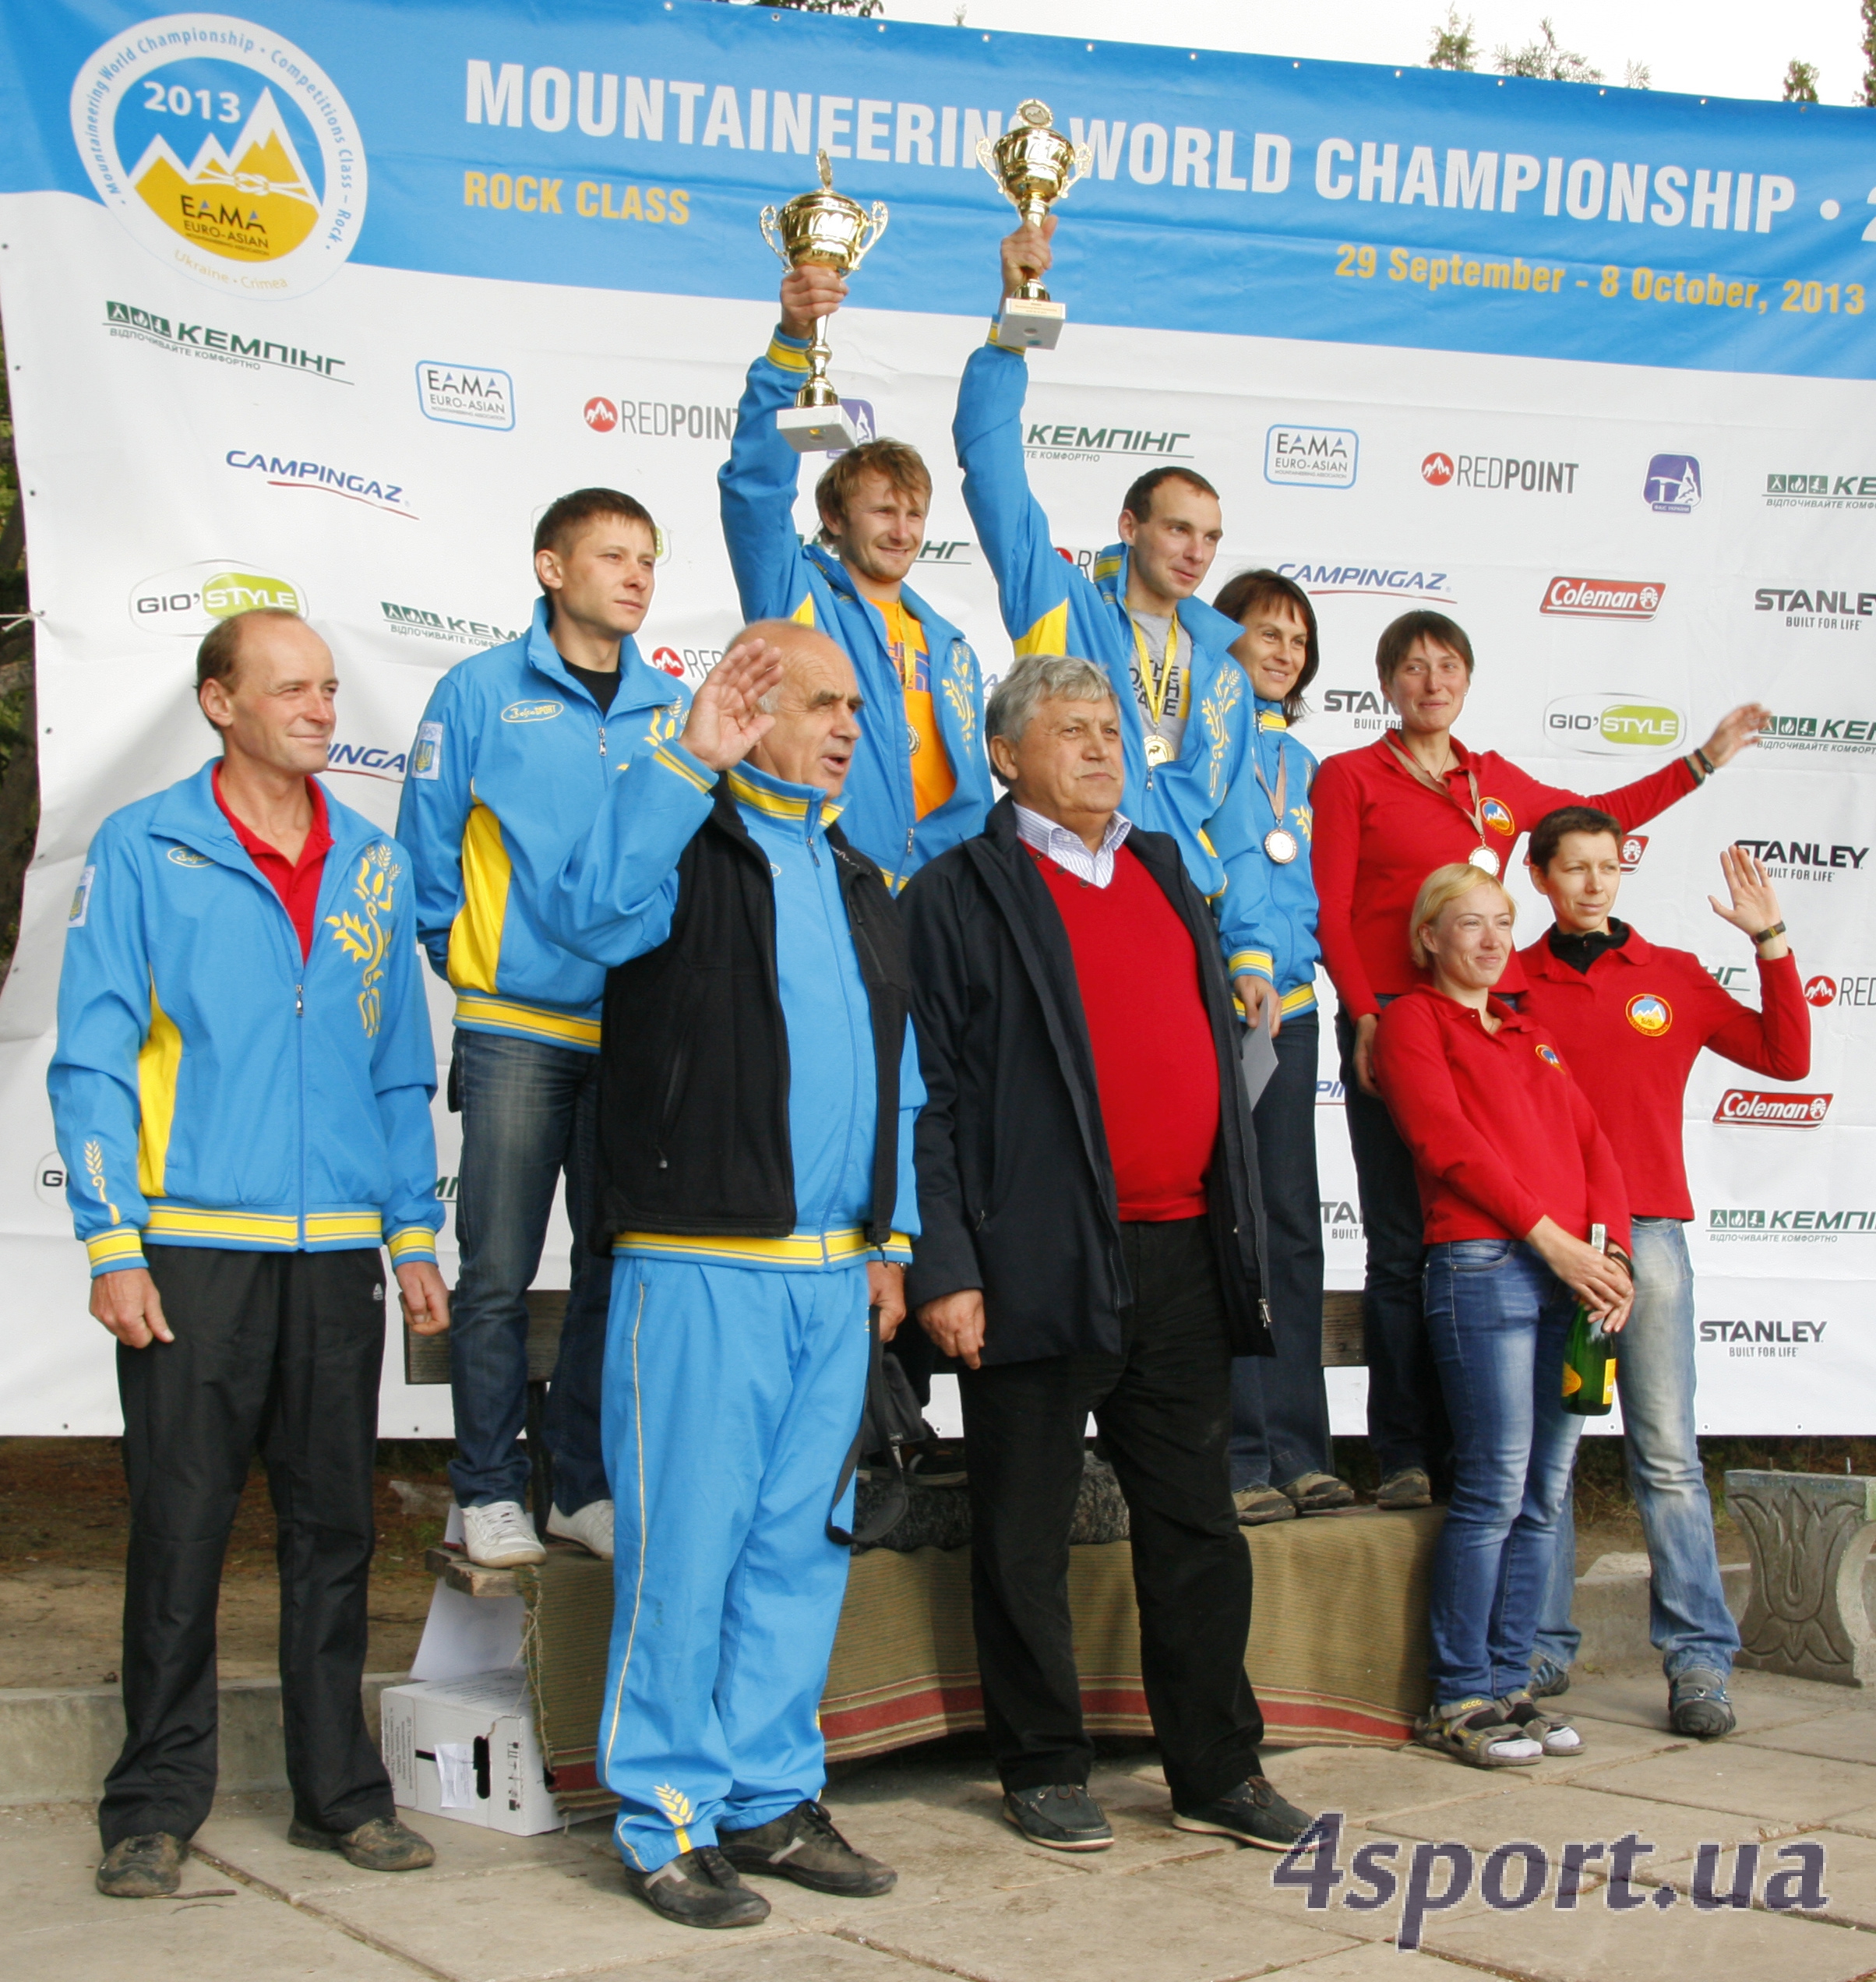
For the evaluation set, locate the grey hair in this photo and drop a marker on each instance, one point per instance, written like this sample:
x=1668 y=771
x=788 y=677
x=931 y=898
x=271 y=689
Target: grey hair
x=1041 y=678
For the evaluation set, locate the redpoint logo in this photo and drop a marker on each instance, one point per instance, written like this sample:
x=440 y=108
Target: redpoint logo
x=1748 y=1108
x=1602 y=598
x=601 y=415
x=1634 y=846
x=1438 y=470
x=1820 y=990
x=669 y=659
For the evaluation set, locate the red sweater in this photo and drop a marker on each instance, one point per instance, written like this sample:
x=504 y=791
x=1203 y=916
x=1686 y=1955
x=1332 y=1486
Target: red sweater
x=1501 y=1134
x=1155 y=1065
x=1634 y=1027
x=296 y=882
x=1378 y=833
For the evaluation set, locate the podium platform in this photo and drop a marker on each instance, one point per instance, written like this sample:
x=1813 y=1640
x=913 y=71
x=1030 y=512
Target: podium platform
x=1337 y=1648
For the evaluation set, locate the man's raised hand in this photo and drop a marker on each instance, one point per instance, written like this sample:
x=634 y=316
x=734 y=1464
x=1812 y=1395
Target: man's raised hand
x=1026 y=255
x=808 y=294
x=726 y=722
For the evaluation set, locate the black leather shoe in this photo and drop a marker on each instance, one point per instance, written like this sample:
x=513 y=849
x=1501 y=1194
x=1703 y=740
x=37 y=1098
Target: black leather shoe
x=1697 y=1704
x=802 y=1845
x=146 y=1867
x=381 y=1844
x=1062 y=1815
x=699 y=1888
x=1252 y=1813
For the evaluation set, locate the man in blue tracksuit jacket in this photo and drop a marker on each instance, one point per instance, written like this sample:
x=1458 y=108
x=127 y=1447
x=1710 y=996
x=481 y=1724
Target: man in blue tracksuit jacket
x=920 y=785
x=759 y=1084
x=1184 y=702
x=241 y=1091
x=510 y=763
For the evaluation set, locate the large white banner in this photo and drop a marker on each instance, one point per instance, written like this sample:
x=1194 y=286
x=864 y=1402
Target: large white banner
x=329 y=320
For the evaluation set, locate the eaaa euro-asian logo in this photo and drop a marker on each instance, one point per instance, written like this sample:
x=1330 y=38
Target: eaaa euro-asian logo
x=224 y=150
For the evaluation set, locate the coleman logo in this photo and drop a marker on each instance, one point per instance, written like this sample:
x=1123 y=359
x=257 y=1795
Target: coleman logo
x=1749 y=1108
x=1634 y=846
x=1609 y=725
x=1602 y=598
x=226 y=150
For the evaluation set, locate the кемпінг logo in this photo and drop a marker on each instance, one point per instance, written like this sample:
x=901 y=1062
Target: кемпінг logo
x=225 y=150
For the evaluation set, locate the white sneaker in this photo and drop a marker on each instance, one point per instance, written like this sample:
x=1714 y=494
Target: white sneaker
x=590 y=1526
x=501 y=1535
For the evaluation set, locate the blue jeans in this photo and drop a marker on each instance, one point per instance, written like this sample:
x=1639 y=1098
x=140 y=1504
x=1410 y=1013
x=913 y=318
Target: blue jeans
x=1279 y=1409
x=1497 y=1317
x=530 y=1113
x=1406 y=1425
x=1688 y=1618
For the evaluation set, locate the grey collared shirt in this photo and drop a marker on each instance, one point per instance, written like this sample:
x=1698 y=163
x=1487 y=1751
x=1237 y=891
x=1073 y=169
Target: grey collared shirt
x=1067 y=848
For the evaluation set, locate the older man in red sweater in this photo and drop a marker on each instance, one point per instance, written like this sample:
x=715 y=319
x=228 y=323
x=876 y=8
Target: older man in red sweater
x=1632 y=1018
x=1091 y=1241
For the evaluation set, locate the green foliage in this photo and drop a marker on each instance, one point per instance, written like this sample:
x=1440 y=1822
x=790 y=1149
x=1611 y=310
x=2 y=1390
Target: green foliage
x=1869 y=53
x=1546 y=59
x=1800 y=82
x=1453 y=45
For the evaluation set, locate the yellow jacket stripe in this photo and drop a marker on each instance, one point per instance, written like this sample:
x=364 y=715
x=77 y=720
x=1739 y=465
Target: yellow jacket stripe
x=661 y=755
x=159 y=1065
x=800 y=1249
x=1259 y=961
x=256 y=1228
x=562 y=1028
x=787 y=356
x=1049 y=634
x=119 y=1249
x=414 y=1242
x=475 y=937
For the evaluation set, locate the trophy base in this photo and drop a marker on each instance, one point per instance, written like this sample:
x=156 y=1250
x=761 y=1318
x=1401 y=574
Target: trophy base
x=816 y=429
x=1025 y=326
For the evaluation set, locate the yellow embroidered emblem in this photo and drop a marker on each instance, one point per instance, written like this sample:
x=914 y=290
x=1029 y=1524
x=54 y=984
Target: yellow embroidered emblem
x=362 y=936
x=1216 y=709
x=960 y=686
x=1305 y=818
x=666 y=721
x=94 y=1170
x=677 y=1807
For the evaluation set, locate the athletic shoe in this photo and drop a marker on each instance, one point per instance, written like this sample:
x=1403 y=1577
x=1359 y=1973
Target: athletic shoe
x=699 y=1888
x=1548 y=1679
x=146 y=1867
x=590 y=1526
x=1409 y=1487
x=1316 y=1493
x=1062 y=1815
x=1258 y=1504
x=1551 y=1732
x=1698 y=1705
x=802 y=1845
x=501 y=1535
x=1252 y=1813
x=381 y=1845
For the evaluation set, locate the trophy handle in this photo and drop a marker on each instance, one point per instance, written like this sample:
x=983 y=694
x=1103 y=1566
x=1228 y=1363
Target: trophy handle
x=869 y=239
x=987 y=157
x=1084 y=163
x=769 y=216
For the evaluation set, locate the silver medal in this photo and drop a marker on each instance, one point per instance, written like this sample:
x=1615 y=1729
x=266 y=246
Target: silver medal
x=1280 y=845
x=1484 y=859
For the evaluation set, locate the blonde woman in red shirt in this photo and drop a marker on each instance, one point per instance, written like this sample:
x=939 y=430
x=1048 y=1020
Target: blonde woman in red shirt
x=1513 y=1171
x=1385 y=817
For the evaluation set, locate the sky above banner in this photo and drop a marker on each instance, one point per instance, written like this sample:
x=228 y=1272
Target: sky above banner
x=631 y=147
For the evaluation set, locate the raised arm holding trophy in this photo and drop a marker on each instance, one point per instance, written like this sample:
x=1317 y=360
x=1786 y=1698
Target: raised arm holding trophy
x=825 y=229
x=1035 y=166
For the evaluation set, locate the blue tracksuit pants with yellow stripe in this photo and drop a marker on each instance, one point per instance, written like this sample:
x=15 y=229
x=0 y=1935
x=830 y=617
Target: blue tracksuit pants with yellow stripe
x=732 y=1394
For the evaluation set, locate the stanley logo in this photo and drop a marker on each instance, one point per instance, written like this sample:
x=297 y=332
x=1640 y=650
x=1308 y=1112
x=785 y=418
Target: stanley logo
x=255 y=207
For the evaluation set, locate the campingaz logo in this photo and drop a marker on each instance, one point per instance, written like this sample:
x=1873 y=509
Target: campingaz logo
x=1673 y=485
x=281 y=472
x=366 y=761
x=1311 y=458
x=1371 y=580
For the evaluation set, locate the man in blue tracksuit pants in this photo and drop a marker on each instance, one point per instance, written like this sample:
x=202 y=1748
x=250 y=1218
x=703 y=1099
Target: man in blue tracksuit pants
x=758 y=1085
x=920 y=784
x=1186 y=709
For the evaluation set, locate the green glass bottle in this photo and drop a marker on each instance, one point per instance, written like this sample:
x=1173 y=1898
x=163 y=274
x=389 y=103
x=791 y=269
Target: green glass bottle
x=1589 y=1357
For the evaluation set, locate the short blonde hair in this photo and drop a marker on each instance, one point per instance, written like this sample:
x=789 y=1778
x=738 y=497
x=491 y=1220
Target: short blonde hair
x=1439 y=891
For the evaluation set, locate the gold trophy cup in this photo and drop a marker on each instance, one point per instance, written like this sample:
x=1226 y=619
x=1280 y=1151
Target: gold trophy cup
x=1034 y=165
x=826 y=228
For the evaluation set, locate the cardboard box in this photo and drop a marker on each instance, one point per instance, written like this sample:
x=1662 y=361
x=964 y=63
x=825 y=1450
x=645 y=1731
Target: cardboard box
x=466 y=1748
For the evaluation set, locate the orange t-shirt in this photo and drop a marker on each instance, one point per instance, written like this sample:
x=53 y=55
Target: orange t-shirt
x=933 y=780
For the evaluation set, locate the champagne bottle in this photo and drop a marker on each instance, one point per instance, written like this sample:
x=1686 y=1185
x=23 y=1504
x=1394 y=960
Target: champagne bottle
x=1589 y=1360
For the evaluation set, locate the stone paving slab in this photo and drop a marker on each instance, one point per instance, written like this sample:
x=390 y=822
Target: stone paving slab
x=1367 y=1784
x=1848 y=1881
x=1799 y=1790
x=1760 y=1700
x=800 y=1958
x=1551 y=1816
x=1848 y=1737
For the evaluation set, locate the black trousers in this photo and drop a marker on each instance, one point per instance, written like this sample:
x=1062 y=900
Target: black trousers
x=1164 y=1409
x=280 y=1351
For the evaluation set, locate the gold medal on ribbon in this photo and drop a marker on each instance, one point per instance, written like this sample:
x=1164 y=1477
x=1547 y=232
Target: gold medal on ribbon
x=1158 y=750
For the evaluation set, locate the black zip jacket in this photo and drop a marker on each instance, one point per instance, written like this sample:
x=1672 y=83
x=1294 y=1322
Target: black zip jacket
x=1016 y=1190
x=693 y=1050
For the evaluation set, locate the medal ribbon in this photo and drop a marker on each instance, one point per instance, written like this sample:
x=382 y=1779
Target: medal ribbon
x=1421 y=775
x=1257 y=764
x=1155 y=691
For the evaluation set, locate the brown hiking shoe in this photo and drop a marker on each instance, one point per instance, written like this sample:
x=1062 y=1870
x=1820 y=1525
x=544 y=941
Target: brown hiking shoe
x=146 y=1867
x=383 y=1845
x=802 y=1845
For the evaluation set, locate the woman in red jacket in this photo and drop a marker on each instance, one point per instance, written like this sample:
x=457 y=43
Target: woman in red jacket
x=1385 y=816
x=1512 y=1171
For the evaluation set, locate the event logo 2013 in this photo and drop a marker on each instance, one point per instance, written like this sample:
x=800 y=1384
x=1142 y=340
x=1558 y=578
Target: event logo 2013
x=224 y=150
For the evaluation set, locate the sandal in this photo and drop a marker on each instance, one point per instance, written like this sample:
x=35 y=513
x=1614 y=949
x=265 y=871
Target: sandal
x=1476 y=1732
x=1552 y=1732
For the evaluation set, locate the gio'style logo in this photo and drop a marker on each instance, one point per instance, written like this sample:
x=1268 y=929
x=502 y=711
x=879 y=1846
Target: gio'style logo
x=239 y=163
x=1611 y=725
x=191 y=599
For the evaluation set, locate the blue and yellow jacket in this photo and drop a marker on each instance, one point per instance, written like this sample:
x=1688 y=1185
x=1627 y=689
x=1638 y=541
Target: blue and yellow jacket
x=613 y=901
x=779 y=578
x=1267 y=916
x=210 y=1088
x=1050 y=607
x=511 y=754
